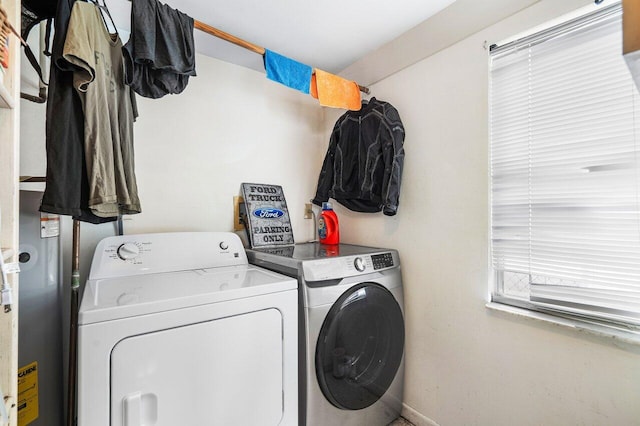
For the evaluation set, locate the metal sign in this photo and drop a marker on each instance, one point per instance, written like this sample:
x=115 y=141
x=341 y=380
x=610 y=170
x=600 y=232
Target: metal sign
x=265 y=215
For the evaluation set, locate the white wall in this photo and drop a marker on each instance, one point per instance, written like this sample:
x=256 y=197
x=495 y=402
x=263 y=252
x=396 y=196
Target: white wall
x=231 y=125
x=466 y=364
x=193 y=150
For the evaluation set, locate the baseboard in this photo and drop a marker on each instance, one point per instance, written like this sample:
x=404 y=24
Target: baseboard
x=415 y=417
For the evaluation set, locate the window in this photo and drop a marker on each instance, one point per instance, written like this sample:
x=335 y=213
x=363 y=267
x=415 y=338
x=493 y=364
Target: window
x=565 y=173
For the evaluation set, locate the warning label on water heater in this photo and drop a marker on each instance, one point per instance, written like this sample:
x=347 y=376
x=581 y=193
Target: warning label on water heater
x=27 y=394
x=49 y=225
x=266 y=215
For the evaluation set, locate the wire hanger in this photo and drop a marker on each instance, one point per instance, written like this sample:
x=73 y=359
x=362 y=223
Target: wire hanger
x=102 y=8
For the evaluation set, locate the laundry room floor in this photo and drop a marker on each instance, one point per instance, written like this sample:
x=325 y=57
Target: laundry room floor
x=401 y=421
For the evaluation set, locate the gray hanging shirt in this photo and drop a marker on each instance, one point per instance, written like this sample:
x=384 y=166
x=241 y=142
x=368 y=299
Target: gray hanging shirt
x=108 y=112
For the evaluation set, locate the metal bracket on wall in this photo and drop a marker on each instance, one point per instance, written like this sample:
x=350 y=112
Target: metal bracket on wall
x=238 y=224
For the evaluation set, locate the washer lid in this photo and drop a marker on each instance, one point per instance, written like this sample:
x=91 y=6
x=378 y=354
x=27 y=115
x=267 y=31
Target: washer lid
x=113 y=298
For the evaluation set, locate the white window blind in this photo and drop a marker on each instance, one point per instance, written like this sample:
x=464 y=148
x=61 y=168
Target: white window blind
x=565 y=172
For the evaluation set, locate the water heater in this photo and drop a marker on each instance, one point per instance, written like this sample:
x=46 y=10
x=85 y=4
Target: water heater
x=40 y=362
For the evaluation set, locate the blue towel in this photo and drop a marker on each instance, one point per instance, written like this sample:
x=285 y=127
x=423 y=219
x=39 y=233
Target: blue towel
x=287 y=71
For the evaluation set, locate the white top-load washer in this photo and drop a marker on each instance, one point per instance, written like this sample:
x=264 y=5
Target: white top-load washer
x=178 y=329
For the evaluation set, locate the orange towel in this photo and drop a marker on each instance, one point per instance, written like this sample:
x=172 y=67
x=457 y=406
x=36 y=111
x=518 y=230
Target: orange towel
x=334 y=91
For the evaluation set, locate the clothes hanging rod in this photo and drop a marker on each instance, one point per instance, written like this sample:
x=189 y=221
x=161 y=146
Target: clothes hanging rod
x=228 y=37
x=242 y=43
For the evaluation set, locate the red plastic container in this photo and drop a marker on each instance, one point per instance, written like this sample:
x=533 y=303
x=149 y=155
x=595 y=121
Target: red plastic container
x=328 y=227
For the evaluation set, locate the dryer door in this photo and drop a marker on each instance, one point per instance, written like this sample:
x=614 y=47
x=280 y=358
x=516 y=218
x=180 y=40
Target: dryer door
x=360 y=346
x=225 y=371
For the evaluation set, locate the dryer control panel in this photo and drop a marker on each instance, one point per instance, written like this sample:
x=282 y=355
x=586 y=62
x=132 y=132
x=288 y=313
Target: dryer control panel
x=140 y=254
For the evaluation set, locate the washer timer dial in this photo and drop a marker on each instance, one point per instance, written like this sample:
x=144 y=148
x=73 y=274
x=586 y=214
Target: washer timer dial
x=128 y=251
x=359 y=264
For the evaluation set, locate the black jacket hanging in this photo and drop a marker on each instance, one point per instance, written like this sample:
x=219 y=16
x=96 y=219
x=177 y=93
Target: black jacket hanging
x=362 y=169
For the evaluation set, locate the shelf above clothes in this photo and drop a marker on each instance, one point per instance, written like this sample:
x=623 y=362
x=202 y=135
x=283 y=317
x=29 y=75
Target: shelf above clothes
x=31 y=183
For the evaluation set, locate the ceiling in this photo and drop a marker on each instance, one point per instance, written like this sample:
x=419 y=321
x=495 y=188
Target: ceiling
x=328 y=34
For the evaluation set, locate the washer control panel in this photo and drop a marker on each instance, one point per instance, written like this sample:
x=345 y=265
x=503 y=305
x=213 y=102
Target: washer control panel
x=346 y=266
x=381 y=261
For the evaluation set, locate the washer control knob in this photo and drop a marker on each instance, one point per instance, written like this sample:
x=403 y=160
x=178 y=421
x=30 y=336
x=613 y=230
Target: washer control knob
x=359 y=264
x=128 y=251
x=224 y=245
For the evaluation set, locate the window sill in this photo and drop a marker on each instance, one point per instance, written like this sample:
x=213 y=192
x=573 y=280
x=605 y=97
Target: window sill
x=618 y=336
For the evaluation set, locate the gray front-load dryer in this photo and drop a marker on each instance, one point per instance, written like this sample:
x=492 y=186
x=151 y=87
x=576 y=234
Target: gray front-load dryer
x=351 y=358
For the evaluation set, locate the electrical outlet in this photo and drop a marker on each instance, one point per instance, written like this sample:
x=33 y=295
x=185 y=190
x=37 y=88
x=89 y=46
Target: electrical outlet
x=308 y=211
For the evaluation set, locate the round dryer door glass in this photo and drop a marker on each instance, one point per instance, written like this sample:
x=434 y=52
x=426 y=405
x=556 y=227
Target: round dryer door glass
x=360 y=347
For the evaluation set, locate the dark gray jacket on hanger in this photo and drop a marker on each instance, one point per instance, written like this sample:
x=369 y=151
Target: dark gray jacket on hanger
x=362 y=169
